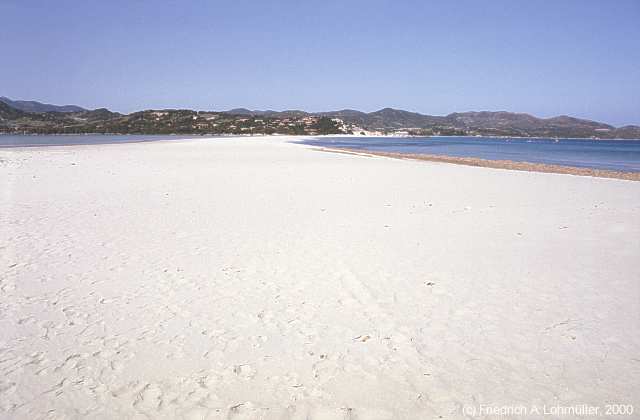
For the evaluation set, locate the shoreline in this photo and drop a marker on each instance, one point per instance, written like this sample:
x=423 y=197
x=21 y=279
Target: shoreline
x=466 y=161
x=497 y=164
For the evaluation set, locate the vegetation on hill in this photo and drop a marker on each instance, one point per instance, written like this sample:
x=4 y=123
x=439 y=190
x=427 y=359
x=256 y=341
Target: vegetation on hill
x=166 y=121
x=245 y=121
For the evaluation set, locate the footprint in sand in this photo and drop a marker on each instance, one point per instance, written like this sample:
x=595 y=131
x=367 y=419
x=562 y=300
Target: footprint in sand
x=149 y=398
x=244 y=371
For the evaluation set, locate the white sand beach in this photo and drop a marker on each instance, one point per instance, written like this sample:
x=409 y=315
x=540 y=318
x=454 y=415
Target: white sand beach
x=252 y=278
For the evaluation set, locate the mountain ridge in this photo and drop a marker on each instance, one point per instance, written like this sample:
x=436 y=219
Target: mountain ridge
x=39 y=107
x=469 y=123
x=71 y=118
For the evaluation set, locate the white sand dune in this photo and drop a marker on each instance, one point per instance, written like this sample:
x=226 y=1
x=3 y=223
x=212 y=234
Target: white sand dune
x=254 y=278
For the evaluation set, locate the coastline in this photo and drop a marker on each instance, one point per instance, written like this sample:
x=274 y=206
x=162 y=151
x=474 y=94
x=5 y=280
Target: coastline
x=495 y=164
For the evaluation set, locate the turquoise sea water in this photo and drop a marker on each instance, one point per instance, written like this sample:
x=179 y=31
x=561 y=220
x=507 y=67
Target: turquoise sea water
x=618 y=155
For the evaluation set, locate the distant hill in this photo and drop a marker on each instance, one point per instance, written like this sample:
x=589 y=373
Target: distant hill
x=36 y=117
x=527 y=125
x=627 y=132
x=244 y=111
x=9 y=113
x=33 y=106
x=488 y=123
x=268 y=113
x=398 y=119
x=98 y=114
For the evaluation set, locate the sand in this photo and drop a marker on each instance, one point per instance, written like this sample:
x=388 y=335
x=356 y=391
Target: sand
x=255 y=278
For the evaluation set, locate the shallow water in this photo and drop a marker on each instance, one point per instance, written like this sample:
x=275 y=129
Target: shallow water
x=618 y=155
x=81 y=139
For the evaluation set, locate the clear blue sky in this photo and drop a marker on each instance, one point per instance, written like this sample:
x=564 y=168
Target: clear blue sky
x=547 y=58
